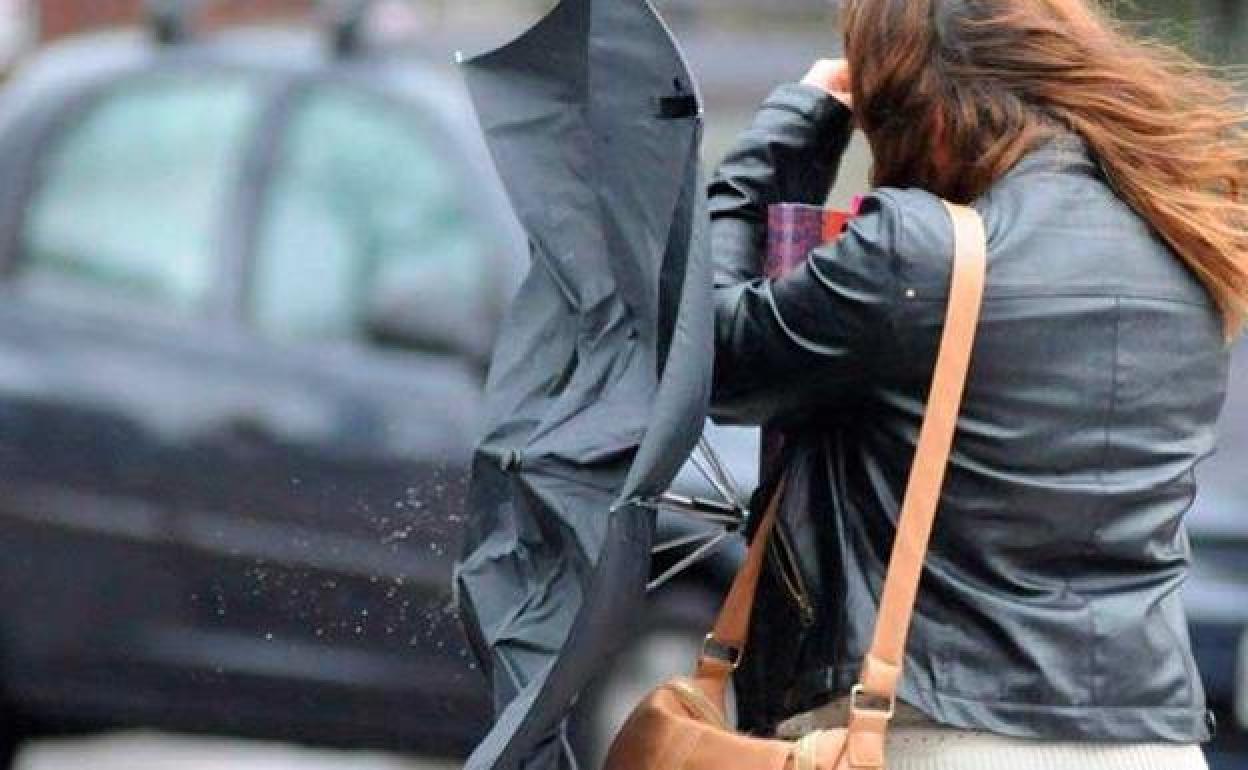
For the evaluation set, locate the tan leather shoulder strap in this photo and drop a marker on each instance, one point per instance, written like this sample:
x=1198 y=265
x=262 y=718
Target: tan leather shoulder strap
x=733 y=622
x=874 y=699
x=882 y=670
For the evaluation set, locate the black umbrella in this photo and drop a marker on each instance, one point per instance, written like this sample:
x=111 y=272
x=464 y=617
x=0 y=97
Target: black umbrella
x=599 y=383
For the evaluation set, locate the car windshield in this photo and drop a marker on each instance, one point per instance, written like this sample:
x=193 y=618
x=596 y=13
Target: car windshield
x=133 y=192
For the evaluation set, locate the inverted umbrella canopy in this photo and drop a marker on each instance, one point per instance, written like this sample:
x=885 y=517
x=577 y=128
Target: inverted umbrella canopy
x=599 y=384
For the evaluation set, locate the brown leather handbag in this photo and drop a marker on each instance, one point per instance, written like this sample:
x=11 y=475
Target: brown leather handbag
x=681 y=725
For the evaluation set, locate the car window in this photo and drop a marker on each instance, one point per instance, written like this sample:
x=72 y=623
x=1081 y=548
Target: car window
x=132 y=193
x=366 y=205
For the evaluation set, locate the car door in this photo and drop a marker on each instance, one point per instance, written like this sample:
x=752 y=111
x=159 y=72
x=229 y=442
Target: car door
x=111 y=304
x=318 y=508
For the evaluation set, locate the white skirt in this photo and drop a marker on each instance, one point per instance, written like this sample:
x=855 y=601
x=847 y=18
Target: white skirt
x=917 y=748
x=916 y=743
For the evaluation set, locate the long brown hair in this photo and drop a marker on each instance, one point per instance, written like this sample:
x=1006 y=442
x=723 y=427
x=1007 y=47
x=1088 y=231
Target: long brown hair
x=982 y=82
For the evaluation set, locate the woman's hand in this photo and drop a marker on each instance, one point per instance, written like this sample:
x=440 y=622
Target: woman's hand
x=832 y=75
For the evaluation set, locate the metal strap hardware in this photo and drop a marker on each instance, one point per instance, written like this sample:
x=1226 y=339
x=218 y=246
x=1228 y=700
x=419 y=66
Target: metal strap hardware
x=713 y=649
x=858 y=693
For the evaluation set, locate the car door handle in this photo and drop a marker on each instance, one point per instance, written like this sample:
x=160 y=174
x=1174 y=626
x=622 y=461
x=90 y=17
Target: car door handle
x=249 y=429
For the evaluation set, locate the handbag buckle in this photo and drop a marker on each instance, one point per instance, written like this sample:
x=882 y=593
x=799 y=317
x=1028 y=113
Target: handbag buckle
x=858 y=692
x=713 y=649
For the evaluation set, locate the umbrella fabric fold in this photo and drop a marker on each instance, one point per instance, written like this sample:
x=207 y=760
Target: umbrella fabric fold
x=599 y=383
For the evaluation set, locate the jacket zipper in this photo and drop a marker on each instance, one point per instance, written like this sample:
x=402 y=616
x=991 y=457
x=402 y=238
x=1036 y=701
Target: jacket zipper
x=791 y=575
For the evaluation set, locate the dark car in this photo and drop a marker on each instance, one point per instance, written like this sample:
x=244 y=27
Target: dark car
x=248 y=287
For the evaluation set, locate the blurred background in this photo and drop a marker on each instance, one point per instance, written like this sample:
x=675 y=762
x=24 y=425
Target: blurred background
x=252 y=258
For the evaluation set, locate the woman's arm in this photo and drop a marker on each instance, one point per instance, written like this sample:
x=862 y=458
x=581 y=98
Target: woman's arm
x=807 y=339
x=790 y=154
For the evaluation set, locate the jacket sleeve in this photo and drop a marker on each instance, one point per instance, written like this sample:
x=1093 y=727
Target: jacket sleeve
x=806 y=340
x=790 y=154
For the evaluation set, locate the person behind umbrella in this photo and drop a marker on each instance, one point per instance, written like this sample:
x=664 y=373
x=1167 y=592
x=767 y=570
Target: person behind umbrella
x=1049 y=630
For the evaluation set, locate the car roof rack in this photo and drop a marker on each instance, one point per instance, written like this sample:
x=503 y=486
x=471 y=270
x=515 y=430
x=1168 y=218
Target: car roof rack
x=347 y=20
x=169 y=21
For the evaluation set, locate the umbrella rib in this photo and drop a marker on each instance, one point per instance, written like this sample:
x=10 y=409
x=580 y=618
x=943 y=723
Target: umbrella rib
x=694 y=504
x=686 y=562
x=683 y=541
x=707 y=473
x=716 y=482
x=720 y=466
x=697 y=507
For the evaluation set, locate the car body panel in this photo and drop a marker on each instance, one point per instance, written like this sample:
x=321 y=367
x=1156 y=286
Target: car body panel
x=212 y=528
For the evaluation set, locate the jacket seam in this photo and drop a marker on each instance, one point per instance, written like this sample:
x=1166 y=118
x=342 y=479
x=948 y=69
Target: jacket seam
x=891 y=312
x=1192 y=675
x=801 y=341
x=1193 y=679
x=1111 y=412
x=814 y=106
x=853 y=670
x=1053 y=708
x=793 y=109
x=1006 y=292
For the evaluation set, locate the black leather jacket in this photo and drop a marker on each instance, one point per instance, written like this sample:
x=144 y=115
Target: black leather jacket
x=1049 y=606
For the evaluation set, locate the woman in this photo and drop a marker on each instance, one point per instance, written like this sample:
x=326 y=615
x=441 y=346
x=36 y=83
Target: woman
x=1049 y=631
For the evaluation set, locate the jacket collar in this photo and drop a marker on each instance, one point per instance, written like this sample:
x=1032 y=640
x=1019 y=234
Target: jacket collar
x=1065 y=153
